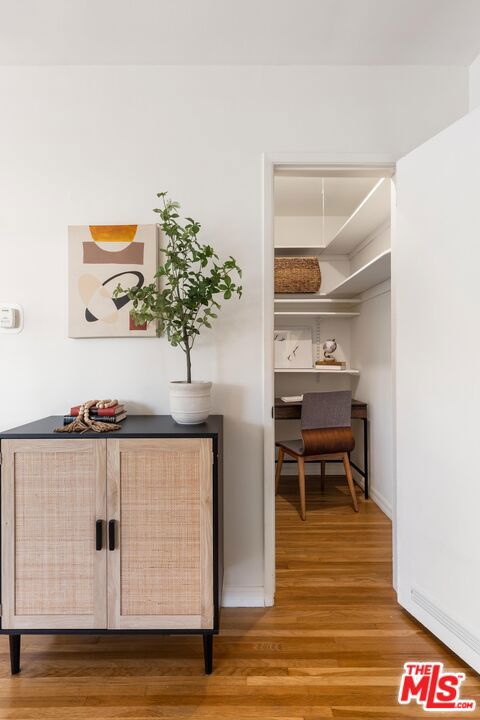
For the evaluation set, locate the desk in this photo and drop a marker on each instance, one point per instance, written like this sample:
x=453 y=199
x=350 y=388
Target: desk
x=293 y=411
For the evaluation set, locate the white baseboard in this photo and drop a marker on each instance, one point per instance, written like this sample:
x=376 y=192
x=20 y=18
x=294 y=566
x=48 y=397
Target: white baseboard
x=381 y=501
x=456 y=636
x=240 y=596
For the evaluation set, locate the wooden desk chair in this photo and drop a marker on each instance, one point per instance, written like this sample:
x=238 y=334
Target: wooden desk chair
x=326 y=427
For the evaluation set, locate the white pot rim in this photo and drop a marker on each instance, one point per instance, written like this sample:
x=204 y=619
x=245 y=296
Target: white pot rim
x=194 y=382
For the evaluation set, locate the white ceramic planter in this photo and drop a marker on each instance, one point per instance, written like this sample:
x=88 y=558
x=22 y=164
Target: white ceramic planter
x=190 y=402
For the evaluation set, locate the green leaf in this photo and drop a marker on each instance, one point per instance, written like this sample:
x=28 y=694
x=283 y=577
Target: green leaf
x=187 y=285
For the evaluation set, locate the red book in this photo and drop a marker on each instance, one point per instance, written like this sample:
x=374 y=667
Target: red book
x=100 y=412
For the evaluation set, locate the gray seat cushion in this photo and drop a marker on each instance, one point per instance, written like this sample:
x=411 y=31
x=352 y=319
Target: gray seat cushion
x=295 y=445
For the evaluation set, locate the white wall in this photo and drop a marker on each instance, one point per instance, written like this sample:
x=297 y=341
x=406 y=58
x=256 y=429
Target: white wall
x=94 y=145
x=474 y=83
x=372 y=247
x=306 y=230
x=371 y=354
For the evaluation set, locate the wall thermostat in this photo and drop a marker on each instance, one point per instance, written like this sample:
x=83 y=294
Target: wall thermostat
x=11 y=318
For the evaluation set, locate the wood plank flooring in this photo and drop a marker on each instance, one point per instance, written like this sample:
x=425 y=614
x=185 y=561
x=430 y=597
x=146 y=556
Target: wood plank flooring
x=332 y=647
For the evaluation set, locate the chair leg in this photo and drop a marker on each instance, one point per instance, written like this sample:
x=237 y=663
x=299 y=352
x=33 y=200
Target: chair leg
x=322 y=476
x=301 y=485
x=278 y=471
x=351 y=486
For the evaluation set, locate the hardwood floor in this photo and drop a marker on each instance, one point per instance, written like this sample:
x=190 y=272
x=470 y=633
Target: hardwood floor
x=332 y=647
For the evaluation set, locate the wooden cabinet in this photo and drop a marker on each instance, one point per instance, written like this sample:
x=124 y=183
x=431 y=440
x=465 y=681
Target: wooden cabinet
x=111 y=534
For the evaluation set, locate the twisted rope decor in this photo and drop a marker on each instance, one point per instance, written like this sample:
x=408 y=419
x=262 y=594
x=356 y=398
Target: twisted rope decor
x=84 y=423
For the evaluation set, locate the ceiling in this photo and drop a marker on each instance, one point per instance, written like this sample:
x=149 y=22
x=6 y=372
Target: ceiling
x=303 y=195
x=239 y=32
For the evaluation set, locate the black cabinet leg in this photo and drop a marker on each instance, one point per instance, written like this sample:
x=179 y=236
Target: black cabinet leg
x=14 y=653
x=208 y=652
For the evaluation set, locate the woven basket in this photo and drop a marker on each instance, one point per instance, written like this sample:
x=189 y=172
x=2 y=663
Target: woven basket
x=297 y=275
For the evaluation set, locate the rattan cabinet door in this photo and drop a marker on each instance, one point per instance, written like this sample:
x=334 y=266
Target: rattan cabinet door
x=53 y=493
x=160 y=564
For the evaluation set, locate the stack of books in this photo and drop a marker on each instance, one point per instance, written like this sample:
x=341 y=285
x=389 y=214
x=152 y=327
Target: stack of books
x=331 y=364
x=113 y=415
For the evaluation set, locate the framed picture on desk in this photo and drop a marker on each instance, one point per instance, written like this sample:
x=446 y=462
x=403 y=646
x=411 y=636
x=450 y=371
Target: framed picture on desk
x=293 y=347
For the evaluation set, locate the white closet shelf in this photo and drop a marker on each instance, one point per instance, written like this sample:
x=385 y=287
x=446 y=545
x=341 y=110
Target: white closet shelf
x=373 y=211
x=371 y=274
x=318 y=371
x=314 y=299
x=318 y=314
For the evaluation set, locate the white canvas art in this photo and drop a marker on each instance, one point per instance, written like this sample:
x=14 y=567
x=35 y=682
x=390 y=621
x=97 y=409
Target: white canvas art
x=293 y=347
x=101 y=257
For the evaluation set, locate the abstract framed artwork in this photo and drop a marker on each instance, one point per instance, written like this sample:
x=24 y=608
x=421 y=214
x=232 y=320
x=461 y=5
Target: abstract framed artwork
x=100 y=257
x=293 y=347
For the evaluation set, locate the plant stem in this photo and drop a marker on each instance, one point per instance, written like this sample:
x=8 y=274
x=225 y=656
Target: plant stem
x=187 y=353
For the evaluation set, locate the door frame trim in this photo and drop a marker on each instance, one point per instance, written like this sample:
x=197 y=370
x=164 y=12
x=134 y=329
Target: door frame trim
x=347 y=162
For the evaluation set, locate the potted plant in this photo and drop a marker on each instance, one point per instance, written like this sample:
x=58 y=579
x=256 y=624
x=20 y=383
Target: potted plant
x=182 y=300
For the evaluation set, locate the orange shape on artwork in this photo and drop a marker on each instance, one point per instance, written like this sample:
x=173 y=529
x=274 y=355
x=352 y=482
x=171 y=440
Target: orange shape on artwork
x=113 y=233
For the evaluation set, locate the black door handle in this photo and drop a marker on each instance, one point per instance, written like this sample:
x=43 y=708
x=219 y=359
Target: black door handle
x=111 y=534
x=99 y=535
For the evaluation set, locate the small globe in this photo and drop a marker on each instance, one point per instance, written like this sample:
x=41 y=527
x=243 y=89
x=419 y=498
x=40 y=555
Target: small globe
x=329 y=346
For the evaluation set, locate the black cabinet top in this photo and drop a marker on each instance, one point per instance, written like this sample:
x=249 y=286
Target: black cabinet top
x=135 y=426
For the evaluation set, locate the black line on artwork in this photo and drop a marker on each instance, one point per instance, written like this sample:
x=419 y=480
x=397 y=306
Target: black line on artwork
x=119 y=302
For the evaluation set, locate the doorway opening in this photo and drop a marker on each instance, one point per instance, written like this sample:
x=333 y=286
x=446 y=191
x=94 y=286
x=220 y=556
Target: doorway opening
x=328 y=328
